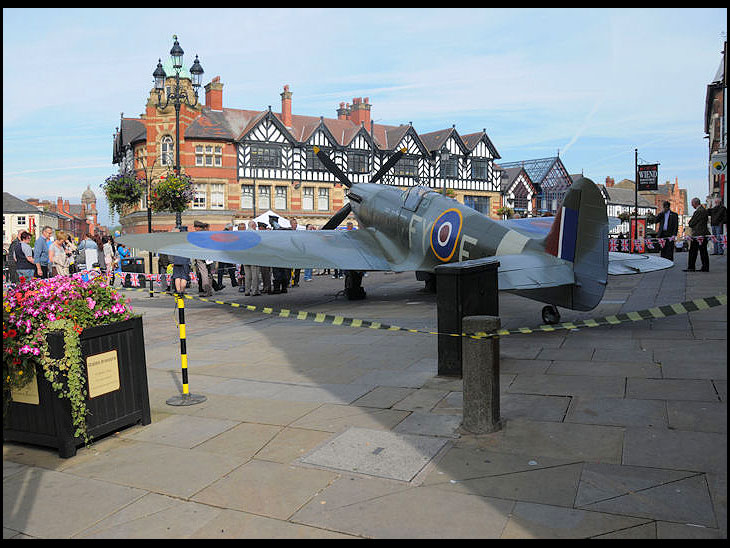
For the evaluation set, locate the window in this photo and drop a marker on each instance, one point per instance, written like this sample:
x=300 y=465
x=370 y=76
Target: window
x=280 y=198
x=265 y=156
x=313 y=163
x=208 y=155
x=408 y=166
x=199 y=196
x=20 y=220
x=246 y=196
x=449 y=167
x=480 y=203
x=323 y=199
x=357 y=161
x=166 y=157
x=308 y=198
x=217 y=196
x=520 y=203
x=264 y=197
x=480 y=169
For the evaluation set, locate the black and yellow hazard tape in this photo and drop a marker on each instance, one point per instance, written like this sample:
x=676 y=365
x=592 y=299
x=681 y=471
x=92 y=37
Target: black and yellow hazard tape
x=658 y=312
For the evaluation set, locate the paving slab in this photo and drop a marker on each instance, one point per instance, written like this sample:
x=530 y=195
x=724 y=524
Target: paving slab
x=35 y=502
x=394 y=512
x=180 y=430
x=336 y=418
x=377 y=453
x=671 y=389
x=265 y=488
x=698 y=416
x=532 y=520
x=568 y=385
x=617 y=412
x=383 y=397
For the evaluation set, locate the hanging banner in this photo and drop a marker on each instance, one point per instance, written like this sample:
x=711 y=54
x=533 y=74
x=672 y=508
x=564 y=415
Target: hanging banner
x=648 y=176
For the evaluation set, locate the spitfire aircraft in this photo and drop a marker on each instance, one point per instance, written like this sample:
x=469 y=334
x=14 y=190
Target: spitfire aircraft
x=562 y=260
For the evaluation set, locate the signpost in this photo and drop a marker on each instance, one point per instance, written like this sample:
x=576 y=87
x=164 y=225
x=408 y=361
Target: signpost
x=647 y=178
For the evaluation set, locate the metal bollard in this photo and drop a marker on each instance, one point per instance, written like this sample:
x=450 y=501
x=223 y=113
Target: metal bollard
x=186 y=398
x=480 y=369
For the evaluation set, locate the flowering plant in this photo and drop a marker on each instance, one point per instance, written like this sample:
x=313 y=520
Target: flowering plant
x=123 y=191
x=32 y=309
x=173 y=192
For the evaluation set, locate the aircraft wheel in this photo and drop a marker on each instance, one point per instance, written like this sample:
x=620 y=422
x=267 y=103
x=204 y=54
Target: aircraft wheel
x=550 y=315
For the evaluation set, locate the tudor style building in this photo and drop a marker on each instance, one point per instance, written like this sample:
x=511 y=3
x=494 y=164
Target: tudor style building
x=246 y=162
x=549 y=178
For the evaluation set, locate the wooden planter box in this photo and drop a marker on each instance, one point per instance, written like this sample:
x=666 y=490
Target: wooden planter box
x=105 y=349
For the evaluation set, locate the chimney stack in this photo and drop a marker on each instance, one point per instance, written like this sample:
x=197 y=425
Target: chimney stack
x=343 y=113
x=609 y=182
x=286 y=107
x=360 y=111
x=214 y=94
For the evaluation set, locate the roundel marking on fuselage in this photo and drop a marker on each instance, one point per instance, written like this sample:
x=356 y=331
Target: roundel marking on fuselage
x=445 y=233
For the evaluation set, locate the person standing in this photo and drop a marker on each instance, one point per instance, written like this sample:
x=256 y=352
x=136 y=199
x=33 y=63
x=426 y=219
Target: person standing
x=108 y=251
x=40 y=252
x=58 y=258
x=25 y=264
x=251 y=273
x=11 y=261
x=204 y=279
x=667 y=227
x=718 y=220
x=698 y=225
x=91 y=252
x=265 y=270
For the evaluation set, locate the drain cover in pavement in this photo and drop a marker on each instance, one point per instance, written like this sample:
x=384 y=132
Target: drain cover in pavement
x=377 y=453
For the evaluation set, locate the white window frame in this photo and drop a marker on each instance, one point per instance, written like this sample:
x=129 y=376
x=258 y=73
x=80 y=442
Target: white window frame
x=166 y=151
x=279 y=195
x=217 y=196
x=246 y=196
x=264 y=197
x=199 y=198
x=323 y=199
x=308 y=198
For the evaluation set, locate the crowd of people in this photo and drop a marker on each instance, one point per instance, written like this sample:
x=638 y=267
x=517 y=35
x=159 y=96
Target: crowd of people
x=252 y=280
x=60 y=254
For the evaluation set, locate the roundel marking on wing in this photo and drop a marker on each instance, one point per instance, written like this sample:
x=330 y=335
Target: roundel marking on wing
x=445 y=233
x=228 y=241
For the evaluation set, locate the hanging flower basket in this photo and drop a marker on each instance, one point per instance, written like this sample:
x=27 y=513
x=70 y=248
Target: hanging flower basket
x=34 y=313
x=122 y=192
x=173 y=192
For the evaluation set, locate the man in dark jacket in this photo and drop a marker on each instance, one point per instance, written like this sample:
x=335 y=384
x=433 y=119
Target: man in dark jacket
x=718 y=220
x=667 y=227
x=698 y=225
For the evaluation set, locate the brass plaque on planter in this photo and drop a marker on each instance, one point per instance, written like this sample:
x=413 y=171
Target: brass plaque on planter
x=27 y=394
x=103 y=373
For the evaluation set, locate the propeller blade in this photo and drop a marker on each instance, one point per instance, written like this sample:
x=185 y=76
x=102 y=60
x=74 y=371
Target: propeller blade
x=387 y=165
x=329 y=164
x=338 y=217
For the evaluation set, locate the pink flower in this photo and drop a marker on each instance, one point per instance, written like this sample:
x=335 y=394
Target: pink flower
x=91 y=302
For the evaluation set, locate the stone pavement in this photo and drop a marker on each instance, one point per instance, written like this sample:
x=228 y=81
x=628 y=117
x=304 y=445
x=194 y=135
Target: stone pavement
x=314 y=431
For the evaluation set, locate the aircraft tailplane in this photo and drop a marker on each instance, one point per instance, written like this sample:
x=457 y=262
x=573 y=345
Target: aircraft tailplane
x=579 y=234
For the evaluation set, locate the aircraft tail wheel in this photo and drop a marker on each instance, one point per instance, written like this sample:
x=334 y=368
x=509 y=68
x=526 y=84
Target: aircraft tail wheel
x=550 y=315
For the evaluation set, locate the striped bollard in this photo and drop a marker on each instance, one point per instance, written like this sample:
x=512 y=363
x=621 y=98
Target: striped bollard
x=186 y=398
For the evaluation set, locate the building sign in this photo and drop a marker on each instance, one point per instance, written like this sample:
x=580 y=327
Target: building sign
x=648 y=176
x=102 y=373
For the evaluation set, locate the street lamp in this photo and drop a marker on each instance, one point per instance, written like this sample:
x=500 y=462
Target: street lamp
x=177 y=97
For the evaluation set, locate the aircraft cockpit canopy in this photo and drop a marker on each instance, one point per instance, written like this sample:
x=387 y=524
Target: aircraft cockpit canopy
x=413 y=196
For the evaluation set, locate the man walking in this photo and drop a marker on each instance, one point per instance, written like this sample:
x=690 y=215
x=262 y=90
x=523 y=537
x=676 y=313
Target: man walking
x=698 y=225
x=718 y=220
x=40 y=252
x=667 y=227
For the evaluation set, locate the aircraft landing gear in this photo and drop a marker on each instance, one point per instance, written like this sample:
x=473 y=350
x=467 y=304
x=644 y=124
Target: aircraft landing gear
x=353 y=285
x=550 y=314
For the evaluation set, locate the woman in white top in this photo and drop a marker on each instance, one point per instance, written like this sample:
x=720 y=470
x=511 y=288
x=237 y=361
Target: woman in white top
x=58 y=258
x=91 y=252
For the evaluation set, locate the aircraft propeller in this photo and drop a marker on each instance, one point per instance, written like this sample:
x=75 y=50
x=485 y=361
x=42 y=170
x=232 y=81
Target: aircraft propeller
x=344 y=211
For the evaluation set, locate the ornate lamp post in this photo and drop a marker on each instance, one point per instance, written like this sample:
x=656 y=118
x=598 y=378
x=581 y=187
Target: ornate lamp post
x=177 y=97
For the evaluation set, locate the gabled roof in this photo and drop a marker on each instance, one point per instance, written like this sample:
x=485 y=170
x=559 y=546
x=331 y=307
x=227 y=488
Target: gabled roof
x=472 y=140
x=511 y=175
x=12 y=204
x=436 y=139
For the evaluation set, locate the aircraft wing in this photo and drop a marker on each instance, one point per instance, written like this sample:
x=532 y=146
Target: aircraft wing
x=632 y=263
x=345 y=249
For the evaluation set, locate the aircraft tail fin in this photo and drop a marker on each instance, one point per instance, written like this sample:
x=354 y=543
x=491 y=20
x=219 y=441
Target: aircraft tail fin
x=579 y=234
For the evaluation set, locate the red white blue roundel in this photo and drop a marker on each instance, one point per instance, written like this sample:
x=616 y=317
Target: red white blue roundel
x=445 y=234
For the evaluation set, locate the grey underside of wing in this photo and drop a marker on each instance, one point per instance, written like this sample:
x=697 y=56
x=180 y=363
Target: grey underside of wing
x=627 y=263
x=348 y=250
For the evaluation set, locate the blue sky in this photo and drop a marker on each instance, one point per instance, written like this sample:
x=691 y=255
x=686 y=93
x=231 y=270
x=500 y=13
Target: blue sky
x=594 y=84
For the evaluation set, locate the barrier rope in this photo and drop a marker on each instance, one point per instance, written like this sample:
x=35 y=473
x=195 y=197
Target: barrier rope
x=684 y=307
